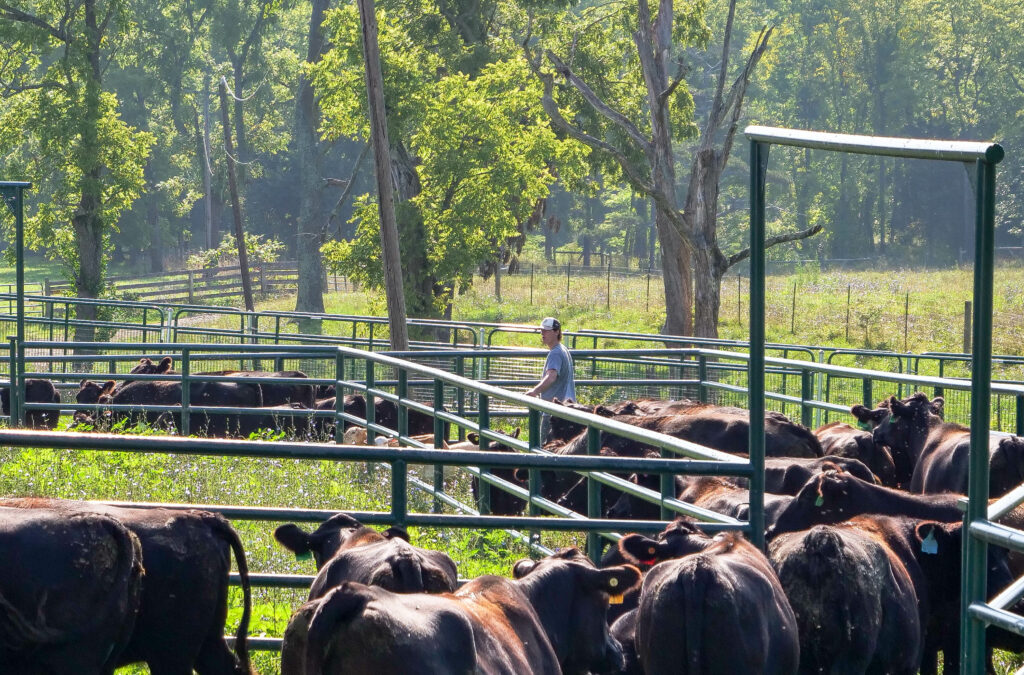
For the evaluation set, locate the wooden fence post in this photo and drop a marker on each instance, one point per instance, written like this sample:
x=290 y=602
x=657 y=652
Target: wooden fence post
x=191 y=287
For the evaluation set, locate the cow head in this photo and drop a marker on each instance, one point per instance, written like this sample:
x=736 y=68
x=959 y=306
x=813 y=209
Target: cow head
x=938 y=552
x=323 y=542
x=90 y=392
x=570 y=596
x=681 y=537
x=819 y=501
x=1006 y=467
x=146 y=367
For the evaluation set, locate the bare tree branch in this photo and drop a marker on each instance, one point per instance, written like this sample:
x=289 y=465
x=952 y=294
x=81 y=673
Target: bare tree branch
x=773 y=241
x=599 y=105
x=15 y=14
x=739 y=89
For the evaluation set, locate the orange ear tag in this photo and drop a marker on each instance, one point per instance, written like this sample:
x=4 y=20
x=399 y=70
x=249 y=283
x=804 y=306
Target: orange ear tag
x=614 y=599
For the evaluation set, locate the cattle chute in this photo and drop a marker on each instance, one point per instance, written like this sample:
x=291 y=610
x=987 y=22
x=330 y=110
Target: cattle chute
x=984 y=156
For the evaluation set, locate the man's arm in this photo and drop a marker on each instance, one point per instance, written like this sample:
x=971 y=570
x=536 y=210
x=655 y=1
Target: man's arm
x=550 y=375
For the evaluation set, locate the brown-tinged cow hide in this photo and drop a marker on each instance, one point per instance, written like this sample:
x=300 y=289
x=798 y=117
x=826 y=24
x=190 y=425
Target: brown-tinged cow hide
x=184 y=604
x=839 y=439
x=36 y=391
x=549 y=620
x=69 y=591
x=722 y=610
x=941 y=450
x=346 y=550
x=274 y=394
x=931 y=553
x=167 y=393
x=834 y=496
x=854 y=602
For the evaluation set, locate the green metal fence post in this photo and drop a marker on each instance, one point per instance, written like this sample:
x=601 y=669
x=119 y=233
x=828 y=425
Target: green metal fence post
x=339 y=397
x=460 y=400
x=186 y=392
x=403 y=393
x=975 y=550
x=702 y=378
x=866 y=392
x=536 y=442
x=484 y=421
x=15 y=391
x=371 y=407
x=594 y=496
x=1019 y=422
x=439 y=441
x=755 y=374
x=806 y=397
x=399 y=492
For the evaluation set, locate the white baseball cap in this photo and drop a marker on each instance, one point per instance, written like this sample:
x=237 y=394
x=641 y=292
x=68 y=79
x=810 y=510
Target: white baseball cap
x=550 y=323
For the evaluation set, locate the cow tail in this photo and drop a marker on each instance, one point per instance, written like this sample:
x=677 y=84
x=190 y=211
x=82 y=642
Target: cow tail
x=127 y=584
x=224 y=529
x=340 y=605
x=694 y=604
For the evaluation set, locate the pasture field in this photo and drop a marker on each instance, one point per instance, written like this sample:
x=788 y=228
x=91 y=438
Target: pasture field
x=897 y=310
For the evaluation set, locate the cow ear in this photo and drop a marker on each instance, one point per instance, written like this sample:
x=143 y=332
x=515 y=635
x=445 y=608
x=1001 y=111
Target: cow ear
x=144 y=361
x=83 y=384
x=934 y=538
x=612 y=580
x=516 y=432
x=938 y=406
x=293 y=538
x=638 y=548
x=473 y=437
x=396 y=533
x=603 y=411
x=166 y=363
x=898 y=407
x=523 y=567
x=108 y=387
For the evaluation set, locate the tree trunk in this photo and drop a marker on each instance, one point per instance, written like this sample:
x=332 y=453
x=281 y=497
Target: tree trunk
x=393 y=275
x=311 y=234
x=677 y=277
x=236 y=204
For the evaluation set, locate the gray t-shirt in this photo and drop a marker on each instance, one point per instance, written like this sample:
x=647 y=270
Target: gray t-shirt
x=564 y=387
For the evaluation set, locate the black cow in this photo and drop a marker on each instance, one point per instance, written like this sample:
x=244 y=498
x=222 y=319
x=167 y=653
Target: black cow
x=718 y=611
x=346 y=550
x=69 y=591
x=184 y=605
x=549 y=620
x=167 y=393
x=839 y=439
x=274 y=394
x=931 y=553
x=36 y=391
x=501 y=503
x=941 y=450
x=834 y=496
x=855 y=605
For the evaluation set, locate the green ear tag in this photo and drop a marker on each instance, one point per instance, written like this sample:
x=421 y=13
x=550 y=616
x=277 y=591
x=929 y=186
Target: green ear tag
x=819 y=501
x=304 y=556
x=865 y=426
x=929 y=545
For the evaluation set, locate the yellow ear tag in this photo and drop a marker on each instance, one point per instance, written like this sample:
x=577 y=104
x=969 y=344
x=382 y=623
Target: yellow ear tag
x=614 y=599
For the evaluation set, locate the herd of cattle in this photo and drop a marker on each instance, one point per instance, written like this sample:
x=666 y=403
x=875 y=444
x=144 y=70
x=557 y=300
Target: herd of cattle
x=861 y=572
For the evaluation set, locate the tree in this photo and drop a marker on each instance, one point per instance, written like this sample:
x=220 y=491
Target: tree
x=312 y=224
x=60 y=129
x=643 y=147
x=472 y=156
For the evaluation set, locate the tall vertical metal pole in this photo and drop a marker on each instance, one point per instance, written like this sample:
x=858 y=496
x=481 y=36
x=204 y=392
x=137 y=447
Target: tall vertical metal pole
x=755 y=374
x=13 y=194
x=975 y=550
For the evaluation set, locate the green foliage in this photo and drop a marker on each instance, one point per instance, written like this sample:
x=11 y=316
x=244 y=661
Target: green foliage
x=258 y=248
x=485 y=151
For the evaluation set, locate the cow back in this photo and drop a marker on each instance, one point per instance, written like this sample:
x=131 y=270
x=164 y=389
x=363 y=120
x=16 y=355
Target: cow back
x=69 y=591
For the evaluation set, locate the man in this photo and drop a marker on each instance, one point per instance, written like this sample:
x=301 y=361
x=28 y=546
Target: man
x=558 y=371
